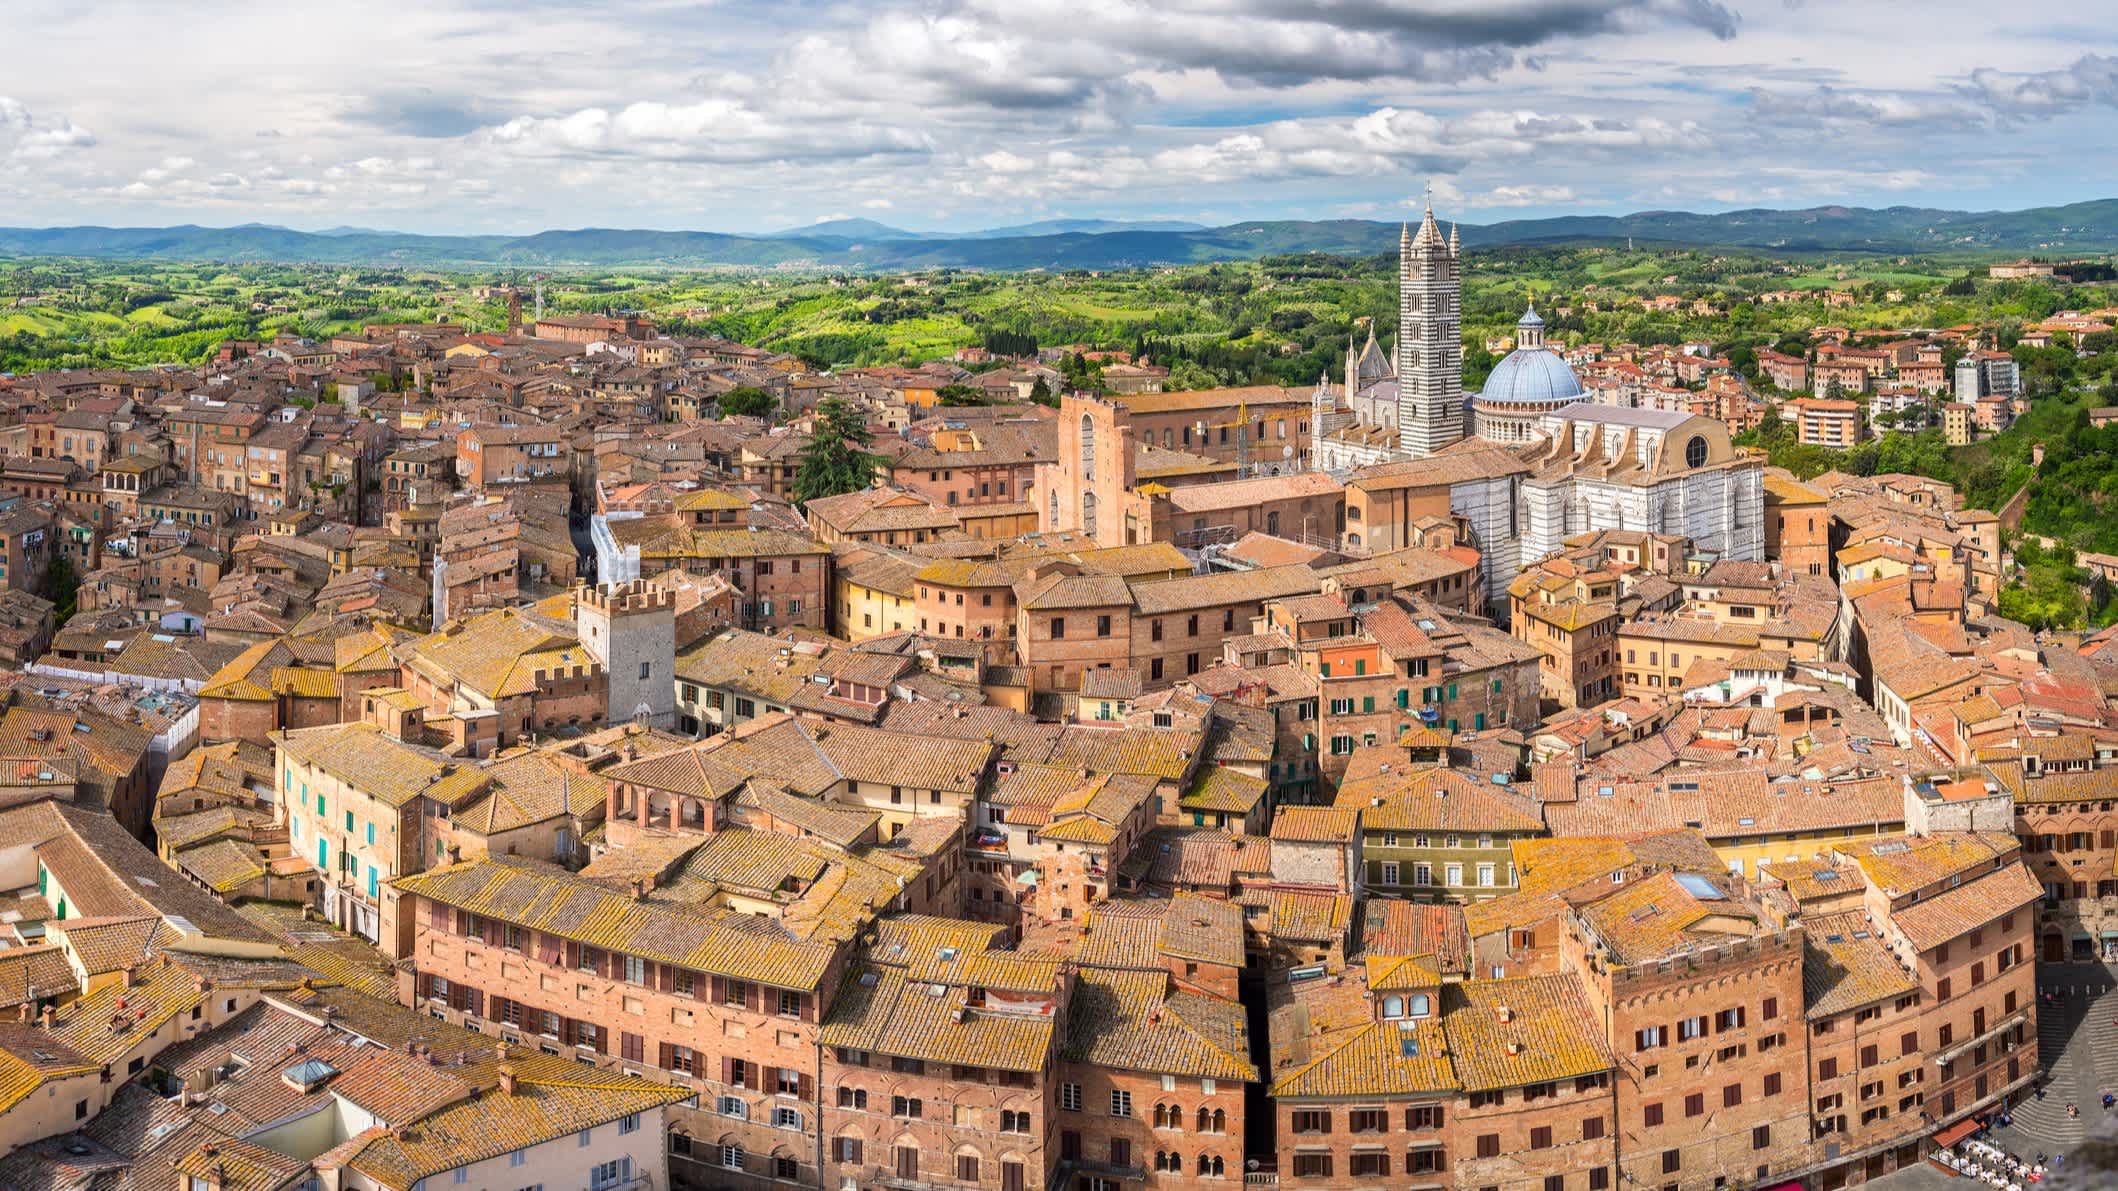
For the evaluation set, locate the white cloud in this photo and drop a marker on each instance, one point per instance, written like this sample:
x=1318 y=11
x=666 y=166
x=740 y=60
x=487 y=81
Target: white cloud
x=743 y=116
x=1521 y=196
x=2091 y=79
x=29 y=137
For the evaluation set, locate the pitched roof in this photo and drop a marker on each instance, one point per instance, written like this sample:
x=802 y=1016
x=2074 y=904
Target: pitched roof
x=551 y=900
x=1135 y=1021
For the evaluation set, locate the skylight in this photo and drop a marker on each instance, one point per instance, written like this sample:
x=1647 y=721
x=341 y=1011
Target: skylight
x=1700 y=887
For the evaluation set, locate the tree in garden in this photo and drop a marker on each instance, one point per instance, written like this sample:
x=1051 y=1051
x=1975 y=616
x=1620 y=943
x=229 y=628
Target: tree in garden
x=747 y=401
x=835 y=462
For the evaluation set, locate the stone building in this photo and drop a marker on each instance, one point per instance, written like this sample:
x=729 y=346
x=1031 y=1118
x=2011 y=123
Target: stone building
x=630 y=630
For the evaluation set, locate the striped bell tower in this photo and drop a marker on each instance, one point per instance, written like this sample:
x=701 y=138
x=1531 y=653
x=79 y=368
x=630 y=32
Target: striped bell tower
x=1429 y=339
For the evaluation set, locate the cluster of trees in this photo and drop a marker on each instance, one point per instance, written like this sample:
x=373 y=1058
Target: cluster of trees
x=1003 y=342
x=2048 y=592
x=1898 y=451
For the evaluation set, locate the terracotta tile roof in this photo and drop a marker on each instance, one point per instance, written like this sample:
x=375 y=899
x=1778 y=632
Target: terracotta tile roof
x=1398 y=930
x=1899 y=864
x=1165 y=753
x=496 y=653
x=388 y=770
x=1187 y=857
x=1973 y=904
x=1327 y=1042
x=1526 y=1030
x=233 y=1164
x=1215 y=590
x=1315 y=824
x=161 y=993
x=179 y=832
x=107 y=873
x=843 y=826
x=1646 y=920
x=1845 y=966
x=223 y=866
x=532 y=786
x=34 y=972
x=553 y=901
x=1145 y=934
x=1135 y=1021
x=882 y=1011
x=1435 y=800
x=1308 y=917
x=553 y=1098
x=1217 y=788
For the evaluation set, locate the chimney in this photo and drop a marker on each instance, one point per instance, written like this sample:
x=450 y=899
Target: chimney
x=507 y=1078
x=1504 y=1013
x=1514 y=1048
x=50 y=1016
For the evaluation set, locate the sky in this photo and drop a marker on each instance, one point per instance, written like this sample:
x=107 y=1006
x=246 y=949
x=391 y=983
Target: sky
x=477 y=116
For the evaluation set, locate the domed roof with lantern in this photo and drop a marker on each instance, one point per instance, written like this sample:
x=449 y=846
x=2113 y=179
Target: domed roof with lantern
x=1532 y=374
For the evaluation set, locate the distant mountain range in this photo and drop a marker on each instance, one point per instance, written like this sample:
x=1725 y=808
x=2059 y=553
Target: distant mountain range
x=865 y=245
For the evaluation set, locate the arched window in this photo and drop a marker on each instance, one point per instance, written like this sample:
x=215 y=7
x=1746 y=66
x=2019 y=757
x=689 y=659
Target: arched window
x=1088 y=514
x=1220 y=1121
x=1205 y=1164
x=1421 y=1006
x=1695 y=451
x=1088 y=447
x=1217 y=1167
x=1393 y=1007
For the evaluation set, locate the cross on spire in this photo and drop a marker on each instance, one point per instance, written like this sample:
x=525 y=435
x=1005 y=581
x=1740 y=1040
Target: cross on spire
x=1430 y=198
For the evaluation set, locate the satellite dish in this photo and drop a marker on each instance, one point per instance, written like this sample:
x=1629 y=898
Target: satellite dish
x=1286 y=452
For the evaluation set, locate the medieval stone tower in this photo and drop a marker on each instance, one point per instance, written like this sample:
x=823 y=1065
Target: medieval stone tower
x=1085 y=490
x=1429 y=340
x=631 y=628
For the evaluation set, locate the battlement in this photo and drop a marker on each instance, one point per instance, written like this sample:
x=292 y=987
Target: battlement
x=546 y=677
x=1708 y=960
x=627 y=598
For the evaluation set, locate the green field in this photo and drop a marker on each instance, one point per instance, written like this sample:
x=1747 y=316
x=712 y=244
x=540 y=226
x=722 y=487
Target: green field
x=1281 y=319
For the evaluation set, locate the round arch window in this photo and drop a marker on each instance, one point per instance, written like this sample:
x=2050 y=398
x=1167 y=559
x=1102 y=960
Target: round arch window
x=1695 y=451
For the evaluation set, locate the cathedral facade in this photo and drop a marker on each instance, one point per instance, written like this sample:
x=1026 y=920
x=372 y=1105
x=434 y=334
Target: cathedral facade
x=1528 y=460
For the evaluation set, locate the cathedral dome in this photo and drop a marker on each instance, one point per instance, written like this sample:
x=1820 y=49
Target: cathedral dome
x=1531 y=374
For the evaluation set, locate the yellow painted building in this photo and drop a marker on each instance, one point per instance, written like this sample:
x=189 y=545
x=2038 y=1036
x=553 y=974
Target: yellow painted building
x=872 y=595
